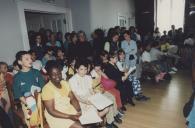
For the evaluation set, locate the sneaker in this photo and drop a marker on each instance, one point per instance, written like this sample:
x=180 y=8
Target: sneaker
x=174 y=69
x=117 y=120
x=119 y=115
x=121 y=112
x=114 y=125
x=172 y=72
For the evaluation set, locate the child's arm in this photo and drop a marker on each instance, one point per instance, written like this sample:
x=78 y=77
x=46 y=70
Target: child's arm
x=22 y=99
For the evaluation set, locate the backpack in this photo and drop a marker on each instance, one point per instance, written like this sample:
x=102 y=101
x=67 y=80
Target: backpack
x=188 y=106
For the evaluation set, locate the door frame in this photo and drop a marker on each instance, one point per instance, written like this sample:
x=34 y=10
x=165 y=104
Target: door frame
x=23 y=6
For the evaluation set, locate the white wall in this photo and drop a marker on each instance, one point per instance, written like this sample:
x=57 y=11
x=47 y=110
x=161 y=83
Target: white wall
x=88 y=15
x=10 y=35
x=80 y=15
x=104 y=13
x=59 y=3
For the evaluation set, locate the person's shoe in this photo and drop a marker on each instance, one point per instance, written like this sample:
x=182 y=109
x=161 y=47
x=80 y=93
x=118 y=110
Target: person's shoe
x=172 y=72
x=109 y=126
x=123 y=108
x=121 y=112
x=114 y=125
x=142 y=98
x=119 y=115
x=174 y=69
x=117 y=120
x=131 y=102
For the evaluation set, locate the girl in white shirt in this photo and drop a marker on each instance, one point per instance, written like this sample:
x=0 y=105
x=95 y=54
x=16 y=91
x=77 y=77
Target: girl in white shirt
x=81 y=86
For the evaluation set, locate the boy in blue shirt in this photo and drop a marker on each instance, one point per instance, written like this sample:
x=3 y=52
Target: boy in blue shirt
x=28 y=82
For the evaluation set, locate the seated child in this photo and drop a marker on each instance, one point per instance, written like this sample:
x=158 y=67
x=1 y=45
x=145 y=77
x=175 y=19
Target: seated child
x=121 y=64
x=62 y=108
x=81 y=85
x=26 y=87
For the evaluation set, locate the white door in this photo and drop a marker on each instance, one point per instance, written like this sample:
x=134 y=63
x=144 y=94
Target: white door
x=59 y=23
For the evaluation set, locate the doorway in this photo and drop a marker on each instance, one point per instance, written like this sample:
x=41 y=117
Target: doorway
x=60 y=18
x=56 y=22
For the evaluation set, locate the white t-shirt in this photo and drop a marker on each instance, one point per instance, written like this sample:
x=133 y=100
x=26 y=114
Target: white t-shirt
x=155 y=54
x=189 y=41
x=146 y=57
x=82 y=89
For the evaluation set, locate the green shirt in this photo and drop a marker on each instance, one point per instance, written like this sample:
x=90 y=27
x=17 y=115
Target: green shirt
x=23 y=81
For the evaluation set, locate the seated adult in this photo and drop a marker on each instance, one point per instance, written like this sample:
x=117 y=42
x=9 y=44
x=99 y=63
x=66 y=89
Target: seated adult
x=62 y=108
x=38 y=46
x=53 y=43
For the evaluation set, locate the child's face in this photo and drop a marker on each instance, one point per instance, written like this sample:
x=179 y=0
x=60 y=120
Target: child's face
x=3 y=69
x=104 y=58
x=26 y=61
x=33 y=56
x=82 y=70
x=55 y=76
x=114 y=59
x=50 y=52
x=121 y=56
x=97 y=68
x=81 y=37
x=60 y=53
x=73 y=63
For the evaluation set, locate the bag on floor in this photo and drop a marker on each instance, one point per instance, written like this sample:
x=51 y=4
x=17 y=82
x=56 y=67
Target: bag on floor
x=188 y=106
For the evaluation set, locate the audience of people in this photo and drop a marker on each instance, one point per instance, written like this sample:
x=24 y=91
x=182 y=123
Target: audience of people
x=58 y=76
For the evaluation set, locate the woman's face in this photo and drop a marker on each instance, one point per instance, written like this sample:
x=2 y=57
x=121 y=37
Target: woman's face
x=115 y=38
x=75 y=39
x=121 y=56
x=60 y=53
x=26 y=61
x=81 y=37
x=55 y=76
x=50 y=52
x=82 y=70
x=38 y=39
x=126 y=36
x=53 y=38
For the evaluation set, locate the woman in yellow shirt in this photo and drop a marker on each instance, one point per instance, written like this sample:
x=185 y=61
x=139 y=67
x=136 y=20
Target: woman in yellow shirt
x=62 y=108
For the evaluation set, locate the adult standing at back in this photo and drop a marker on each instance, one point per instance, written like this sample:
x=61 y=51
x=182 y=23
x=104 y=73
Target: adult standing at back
x=84 y=47
x=130 y=48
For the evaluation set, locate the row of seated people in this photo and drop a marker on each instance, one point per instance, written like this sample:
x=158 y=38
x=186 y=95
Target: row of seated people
x=65 y=101
x=77 y=44
x=118 y=63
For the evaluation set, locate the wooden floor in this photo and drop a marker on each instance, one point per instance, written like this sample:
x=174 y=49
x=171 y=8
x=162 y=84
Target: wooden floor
x=164 y=110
